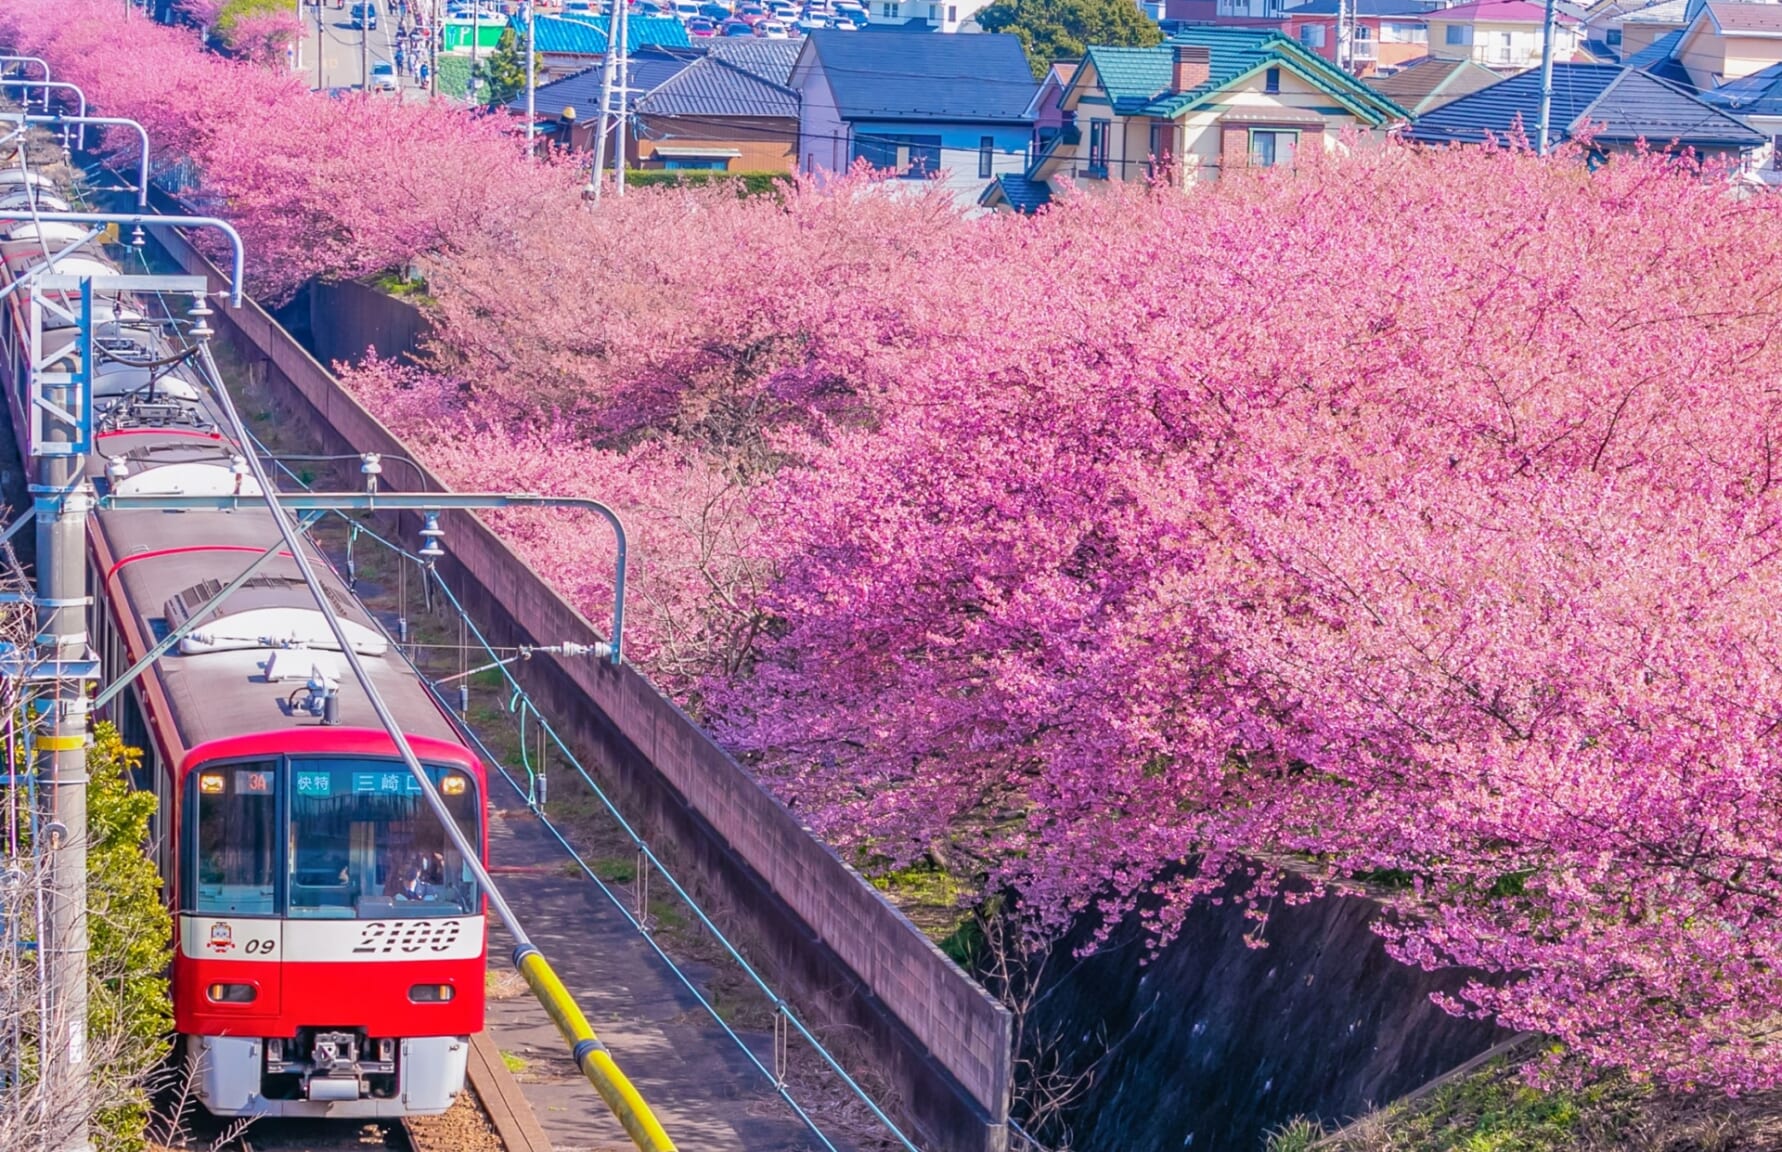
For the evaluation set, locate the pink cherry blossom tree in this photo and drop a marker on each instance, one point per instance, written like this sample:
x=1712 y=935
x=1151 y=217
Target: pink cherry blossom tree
x=1407 y=517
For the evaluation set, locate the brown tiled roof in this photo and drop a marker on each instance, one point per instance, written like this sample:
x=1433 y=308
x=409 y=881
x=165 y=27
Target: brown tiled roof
x=1747 y=19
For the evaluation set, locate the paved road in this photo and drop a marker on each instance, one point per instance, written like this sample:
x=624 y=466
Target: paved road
x=342 y=54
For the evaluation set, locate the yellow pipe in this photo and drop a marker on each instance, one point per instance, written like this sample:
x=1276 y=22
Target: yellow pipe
x=590 y=1054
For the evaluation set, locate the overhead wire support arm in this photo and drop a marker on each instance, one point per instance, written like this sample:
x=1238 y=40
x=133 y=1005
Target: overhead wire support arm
x=53 y=118
x=37 y=60
x=60 y=86
x=407 y=502
x=239 y=259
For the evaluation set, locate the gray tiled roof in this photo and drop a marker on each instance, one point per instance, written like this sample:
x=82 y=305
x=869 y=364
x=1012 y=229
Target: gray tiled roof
x=771 y=60
x=716 y=87
x=1620 y=104
x=976 y=77
x=1747 y=18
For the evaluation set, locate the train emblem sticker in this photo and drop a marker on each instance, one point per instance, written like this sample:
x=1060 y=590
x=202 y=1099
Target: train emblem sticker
x=222 y=938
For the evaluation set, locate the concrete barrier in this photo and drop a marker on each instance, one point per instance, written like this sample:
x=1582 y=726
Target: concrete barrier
x=848 y=960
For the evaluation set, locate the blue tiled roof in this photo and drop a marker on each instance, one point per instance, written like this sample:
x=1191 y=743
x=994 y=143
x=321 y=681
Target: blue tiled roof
x=1759 y=94
x=771 y=60
x=1620 y=104
x=1019 y=193
x=979 y=77
x=585 y=35
x=1655 y=53
x=1138 y=79
x=649 y=67
x=716 y=87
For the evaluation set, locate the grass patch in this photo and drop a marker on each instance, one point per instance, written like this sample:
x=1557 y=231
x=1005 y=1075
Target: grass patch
x=514 y=1064
x=934 y=899
x=1494 y=1110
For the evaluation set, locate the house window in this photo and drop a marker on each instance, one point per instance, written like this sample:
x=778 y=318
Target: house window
x=1404 y=33
x=1271 y=80
x=1458 y=35
x=1098 y=148
x=910 y=157
x=1311 y=35
x=887 y=10
x=695 y=164
x=1363 y=32
x=933 y=12
x=1272 y=147
x=986 y=156
x=952 y=14
x=1503 y=47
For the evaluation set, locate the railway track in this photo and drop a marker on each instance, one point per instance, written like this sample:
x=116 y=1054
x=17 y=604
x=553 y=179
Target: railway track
x=490 y=1116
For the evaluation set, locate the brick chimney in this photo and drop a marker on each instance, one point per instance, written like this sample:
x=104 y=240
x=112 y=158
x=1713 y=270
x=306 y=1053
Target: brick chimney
x=1193 y=64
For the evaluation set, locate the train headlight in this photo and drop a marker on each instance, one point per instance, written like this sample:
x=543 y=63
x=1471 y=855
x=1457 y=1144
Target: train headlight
x=231 y=993
x=430 y=993
x=453 y=785
x=210 y=783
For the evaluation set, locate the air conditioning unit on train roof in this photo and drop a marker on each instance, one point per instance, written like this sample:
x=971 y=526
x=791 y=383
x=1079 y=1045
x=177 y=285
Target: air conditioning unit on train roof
x=270 y=612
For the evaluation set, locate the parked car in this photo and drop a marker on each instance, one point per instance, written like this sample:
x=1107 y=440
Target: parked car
x=782 y=12
x=751 y=14
x=700 y=26
x=650 y=8
x=687 y=9
x=736 y=28
x=854 y=12
x=847 y=24
x=809 y=24
x=772 y=30
x=362 y=16
x=383 y=77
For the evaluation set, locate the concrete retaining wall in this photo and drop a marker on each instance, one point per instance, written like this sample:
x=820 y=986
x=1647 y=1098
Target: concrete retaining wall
x=848 y=960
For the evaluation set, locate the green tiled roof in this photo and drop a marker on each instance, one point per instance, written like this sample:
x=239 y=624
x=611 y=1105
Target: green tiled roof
x=1137 y=80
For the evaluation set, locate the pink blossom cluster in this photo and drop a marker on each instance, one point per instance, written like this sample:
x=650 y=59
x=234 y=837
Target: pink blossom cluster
x=338 y=188
x=1408 y=516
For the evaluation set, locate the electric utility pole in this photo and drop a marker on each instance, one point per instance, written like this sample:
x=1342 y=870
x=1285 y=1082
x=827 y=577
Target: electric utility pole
x=531 y=82
x=321 y=49
x=619 y=43
x=603 y=123
x=1546 y=78
x=365 y=11
x=61 y=498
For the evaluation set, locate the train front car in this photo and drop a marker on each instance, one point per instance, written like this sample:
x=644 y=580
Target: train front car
x=331 y=946
x=330 y=941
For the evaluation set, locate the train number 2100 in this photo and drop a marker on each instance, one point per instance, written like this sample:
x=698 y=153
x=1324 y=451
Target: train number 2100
x=380 y=937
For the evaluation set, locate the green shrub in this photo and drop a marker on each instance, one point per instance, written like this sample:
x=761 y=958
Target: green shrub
x=130 y=1015
x=748 y=183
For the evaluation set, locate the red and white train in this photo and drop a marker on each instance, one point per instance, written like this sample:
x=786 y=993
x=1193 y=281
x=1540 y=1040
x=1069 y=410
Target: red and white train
x=330 y=943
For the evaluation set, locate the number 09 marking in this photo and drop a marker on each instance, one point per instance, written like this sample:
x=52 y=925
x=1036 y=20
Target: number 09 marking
x=261 y=947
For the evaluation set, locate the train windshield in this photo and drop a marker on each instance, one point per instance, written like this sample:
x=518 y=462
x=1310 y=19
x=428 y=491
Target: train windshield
x=365 y=845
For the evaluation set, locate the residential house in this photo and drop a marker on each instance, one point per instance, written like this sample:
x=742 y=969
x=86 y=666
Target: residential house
x=1203 y=101
x=1427 y=84
x=1381 y=33
x=1726 y=40
x=567 y=110
x=1046 y=109
x=1757 y=100
x=1641 y=27
x=1615 y=106
x=733 y=111
x=923 y=15
x=569 y=44
x=1660 y=60
x=1500 y=34
x=955 y=107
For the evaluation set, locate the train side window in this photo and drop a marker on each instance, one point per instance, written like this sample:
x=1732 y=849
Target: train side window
x=235 y=847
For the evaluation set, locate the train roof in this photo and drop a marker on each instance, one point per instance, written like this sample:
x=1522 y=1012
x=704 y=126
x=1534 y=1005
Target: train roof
x=235 y=674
